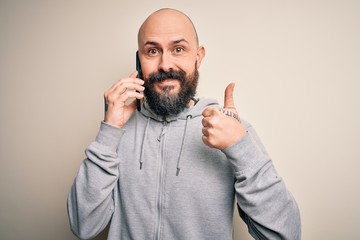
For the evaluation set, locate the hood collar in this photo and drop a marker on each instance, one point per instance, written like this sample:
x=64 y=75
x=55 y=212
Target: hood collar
x=194 y=111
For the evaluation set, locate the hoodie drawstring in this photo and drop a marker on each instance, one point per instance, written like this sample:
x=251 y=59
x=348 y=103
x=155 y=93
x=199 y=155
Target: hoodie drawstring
x=142 y=144
x=178 y=166
x=182 y=146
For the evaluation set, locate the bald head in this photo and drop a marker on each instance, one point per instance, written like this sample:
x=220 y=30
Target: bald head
x=166 y=22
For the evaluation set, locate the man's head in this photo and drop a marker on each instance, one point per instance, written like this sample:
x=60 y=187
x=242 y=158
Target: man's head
x=170 y=56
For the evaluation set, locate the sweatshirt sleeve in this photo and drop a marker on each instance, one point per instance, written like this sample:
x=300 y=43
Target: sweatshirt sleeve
x=264 y=203
x=90 y=202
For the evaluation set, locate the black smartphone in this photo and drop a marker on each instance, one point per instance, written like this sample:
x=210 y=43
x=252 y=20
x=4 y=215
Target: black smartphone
x=138 y=69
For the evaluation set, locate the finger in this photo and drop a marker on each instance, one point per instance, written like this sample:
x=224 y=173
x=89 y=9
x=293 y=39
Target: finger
x=229 y=99
x=126 y=83
x=205 y=139
x=134 y=74
x=132 y=78
x=126 y=95
x=129 y=86
x=122 y=88
x=120 y=98
x=206 y=122
x=204 y=131
x=210 y=111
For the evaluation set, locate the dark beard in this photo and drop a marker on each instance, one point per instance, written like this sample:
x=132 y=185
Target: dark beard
x=167 y=104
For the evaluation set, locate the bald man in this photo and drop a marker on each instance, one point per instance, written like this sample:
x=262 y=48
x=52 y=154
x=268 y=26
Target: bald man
x=172 y=169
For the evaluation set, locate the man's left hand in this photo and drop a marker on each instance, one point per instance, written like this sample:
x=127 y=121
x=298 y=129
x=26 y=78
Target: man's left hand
x=221 y=130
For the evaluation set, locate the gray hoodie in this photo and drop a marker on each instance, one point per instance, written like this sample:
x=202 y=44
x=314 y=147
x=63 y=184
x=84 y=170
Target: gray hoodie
x=156 y=179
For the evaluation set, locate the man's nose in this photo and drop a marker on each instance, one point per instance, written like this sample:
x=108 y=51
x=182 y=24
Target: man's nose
x=166 y=62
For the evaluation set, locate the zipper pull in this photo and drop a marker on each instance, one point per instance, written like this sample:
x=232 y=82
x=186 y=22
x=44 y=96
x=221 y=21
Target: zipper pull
x=163 y=131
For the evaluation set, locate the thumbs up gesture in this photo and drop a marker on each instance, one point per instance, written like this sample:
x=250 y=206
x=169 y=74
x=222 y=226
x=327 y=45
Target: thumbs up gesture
x=222 y=127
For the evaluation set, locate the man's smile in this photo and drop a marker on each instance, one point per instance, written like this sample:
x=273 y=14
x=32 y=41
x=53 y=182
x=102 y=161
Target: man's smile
x=169 y=86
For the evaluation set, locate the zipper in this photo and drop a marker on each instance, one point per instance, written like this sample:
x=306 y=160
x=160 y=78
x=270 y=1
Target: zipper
x=161 y=182
x=163 y=131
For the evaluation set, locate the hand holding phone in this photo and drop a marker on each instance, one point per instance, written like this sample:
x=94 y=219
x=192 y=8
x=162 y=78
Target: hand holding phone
x=119 y=104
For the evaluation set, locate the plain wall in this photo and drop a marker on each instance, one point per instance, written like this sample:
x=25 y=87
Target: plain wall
x=297 y=74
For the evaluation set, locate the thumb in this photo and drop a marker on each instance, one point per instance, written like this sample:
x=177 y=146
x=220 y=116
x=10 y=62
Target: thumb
x=229 y=99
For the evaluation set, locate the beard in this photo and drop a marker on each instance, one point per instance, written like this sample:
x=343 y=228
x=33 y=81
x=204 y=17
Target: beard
x=167 y=104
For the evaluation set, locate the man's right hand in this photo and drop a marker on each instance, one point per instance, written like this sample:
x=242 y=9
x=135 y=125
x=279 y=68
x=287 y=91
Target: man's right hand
x=117 y=112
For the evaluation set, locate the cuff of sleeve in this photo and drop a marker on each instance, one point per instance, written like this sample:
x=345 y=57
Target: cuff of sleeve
x=109 y=136
x=244 y=154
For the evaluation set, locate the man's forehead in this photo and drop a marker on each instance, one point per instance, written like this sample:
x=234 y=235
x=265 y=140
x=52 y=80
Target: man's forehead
x=167 y=16
x=169 y=25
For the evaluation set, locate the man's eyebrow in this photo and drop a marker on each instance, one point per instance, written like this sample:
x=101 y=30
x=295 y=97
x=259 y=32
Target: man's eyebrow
x=153 y=43
x=180 y=40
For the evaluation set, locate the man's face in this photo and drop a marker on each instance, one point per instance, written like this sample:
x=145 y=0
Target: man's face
x=170 y=57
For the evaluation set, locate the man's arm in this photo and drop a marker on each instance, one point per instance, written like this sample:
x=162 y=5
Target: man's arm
x=90 y=201
x=264 y=203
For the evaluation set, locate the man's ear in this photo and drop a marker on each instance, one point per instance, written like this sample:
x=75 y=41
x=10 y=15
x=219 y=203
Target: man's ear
x=200 y=55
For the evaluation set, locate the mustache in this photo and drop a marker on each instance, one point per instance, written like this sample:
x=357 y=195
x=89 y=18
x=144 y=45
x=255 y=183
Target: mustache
x=163 y=75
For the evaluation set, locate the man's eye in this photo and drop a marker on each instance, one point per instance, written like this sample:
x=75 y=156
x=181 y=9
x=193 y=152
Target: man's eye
x=152 y=51
x=179 y=49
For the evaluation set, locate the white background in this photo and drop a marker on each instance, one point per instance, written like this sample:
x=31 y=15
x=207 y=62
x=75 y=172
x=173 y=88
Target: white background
x=296 y=68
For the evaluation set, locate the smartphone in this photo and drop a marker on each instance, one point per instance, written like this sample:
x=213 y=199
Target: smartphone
x=138 y=69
